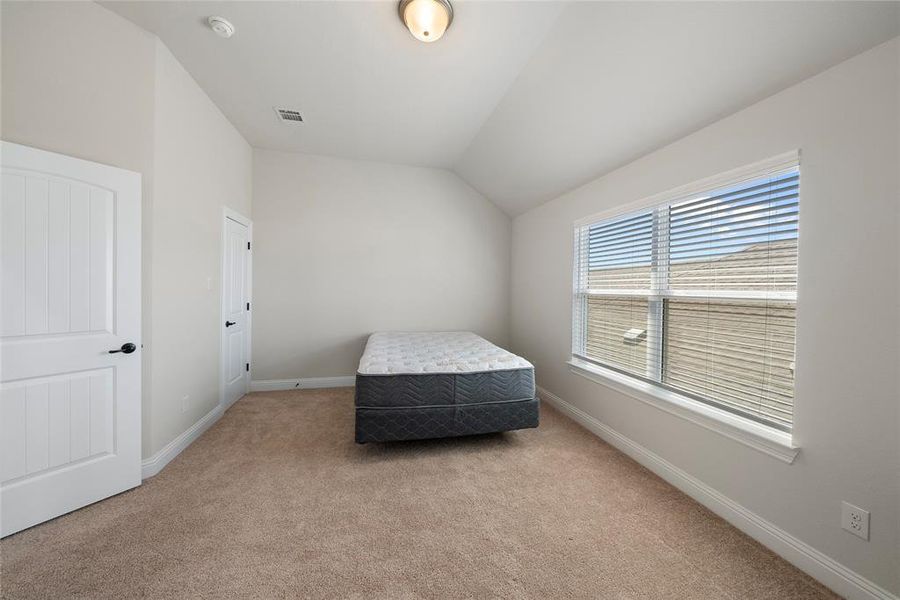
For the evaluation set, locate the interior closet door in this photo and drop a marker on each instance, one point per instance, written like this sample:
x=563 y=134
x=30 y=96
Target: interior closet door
x=236 y=268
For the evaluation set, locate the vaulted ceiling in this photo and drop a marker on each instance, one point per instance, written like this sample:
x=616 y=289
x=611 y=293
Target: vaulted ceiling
x=524 y=100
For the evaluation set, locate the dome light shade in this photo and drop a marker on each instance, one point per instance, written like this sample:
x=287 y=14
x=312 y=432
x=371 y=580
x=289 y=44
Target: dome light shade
x=427 y=20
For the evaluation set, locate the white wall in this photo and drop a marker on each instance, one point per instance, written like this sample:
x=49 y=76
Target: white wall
x=201 y=163
x=59 y=89
x=343 y=248
x=845 y=121
x=80 y=80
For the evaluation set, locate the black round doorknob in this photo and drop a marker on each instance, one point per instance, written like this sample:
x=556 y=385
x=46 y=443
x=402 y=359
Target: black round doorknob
x=230 y=323
x=125 y=349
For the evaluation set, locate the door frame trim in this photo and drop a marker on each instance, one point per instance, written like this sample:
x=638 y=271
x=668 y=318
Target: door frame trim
x=228 y=213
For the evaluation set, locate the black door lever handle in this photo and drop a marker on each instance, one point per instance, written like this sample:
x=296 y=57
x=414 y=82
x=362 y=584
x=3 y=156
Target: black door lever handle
x=125 y=349
x=230 y=323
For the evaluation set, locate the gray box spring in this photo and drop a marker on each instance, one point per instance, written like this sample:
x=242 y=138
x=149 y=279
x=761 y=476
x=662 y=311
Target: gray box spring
x=422 y=406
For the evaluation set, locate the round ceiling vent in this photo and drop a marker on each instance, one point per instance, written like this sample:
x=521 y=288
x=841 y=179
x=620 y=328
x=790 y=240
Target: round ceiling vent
x=222 y=27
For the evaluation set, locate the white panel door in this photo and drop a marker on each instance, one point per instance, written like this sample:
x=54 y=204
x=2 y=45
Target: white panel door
x=235 y=309
x=70 y=270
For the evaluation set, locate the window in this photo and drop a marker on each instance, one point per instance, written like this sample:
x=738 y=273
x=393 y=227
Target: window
x=697 y=293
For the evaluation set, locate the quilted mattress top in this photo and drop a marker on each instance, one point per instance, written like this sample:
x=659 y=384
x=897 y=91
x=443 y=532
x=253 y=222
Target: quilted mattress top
x=408 y=353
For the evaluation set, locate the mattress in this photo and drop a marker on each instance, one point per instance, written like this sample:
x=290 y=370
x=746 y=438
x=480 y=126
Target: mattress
x=444 y=352
x=414 y=385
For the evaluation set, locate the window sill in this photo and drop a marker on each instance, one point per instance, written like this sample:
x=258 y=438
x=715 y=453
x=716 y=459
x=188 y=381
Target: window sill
x=755 y=435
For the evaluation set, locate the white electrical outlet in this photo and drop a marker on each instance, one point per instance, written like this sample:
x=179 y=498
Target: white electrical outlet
x=855 y=520
x=185 y=403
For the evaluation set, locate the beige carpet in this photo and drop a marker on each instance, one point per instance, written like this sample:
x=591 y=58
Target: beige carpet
x=276 y=501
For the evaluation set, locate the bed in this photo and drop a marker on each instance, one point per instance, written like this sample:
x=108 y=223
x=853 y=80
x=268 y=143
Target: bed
x=420 y=385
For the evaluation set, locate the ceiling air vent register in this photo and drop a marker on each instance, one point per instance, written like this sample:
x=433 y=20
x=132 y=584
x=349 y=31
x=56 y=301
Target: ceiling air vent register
x=286 y=115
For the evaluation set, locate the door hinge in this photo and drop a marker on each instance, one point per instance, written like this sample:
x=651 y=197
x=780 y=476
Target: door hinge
x=248 y=367
x=248 y=245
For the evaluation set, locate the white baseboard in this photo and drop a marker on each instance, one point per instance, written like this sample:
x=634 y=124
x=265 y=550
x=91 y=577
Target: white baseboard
x=153 y=465
x=301 y=383
x=833 y=574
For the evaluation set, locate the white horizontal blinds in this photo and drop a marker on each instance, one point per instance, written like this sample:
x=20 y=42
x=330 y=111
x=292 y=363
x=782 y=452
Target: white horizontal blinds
x=730 y=316
x=620 y=254
x=742 y=238
x=615 y=263
x=609 y=321
x=698 y=293
x=738 y=354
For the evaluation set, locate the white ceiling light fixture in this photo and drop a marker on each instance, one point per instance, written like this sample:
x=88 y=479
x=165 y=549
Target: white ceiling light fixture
x=427 y=20
x=222 y=27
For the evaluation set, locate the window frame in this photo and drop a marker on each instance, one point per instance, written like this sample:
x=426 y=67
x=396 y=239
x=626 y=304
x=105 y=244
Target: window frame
x=651 y=388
